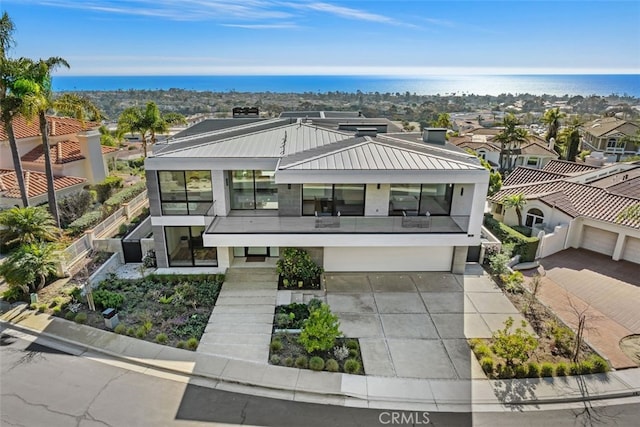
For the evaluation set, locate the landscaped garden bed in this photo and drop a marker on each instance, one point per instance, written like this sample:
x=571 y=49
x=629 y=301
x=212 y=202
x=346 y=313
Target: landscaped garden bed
x=172 y=309
x=307 y=336
x=554 y=350
x=297 y=270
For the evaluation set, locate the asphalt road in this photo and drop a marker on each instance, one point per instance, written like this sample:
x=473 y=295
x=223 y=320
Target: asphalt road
x=42 y=386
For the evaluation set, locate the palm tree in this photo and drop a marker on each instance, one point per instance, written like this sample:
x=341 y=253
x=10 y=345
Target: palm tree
x=148 y=122
x=443 y=121
x=510 y=139
x=552 y=119
x=27 y=225
x=29 y=266
x=517 y=202
x=9 y=106
x=572 y=141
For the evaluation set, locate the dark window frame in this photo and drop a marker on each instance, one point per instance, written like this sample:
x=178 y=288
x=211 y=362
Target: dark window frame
x=191 y=248
x=186 y=200
x=255 y=191
x=448 y=192
x=334 y=210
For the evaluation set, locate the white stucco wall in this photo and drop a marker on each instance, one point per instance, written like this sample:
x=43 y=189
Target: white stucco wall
x=376 y=200
x=220 y=192
x=462 y=199
x=436 y=258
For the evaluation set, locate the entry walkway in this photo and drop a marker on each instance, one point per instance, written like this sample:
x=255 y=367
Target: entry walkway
x=241 y=321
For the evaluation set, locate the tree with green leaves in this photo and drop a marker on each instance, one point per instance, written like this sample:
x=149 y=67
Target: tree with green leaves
x=552 y=118
x=27 y=225
x=29 y=266
x=320 y=330
x=111 y=138
x=517 y=202
x=572 y=141
x=147 y=122
x=10 y=105
x=510 y=139
x=443 y=121
x=514 y=347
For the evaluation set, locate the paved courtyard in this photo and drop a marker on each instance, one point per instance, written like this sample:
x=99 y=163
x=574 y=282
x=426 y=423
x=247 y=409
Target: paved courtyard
x=415 y=325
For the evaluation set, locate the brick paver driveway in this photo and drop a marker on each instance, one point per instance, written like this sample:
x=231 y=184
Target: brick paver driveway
x=610 y=290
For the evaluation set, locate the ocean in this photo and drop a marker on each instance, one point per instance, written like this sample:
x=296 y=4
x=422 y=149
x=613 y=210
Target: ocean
x=559 y=85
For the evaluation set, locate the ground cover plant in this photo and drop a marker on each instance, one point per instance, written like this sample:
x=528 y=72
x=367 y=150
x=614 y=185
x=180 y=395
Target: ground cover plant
x=167 y=309
x=297 y=270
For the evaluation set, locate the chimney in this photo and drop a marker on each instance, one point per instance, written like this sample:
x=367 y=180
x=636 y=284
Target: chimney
x=59 y=153
x=367 y=132
x=52 y=131
x=552 y=143
x=436 y=136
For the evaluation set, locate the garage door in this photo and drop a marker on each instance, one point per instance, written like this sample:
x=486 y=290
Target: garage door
x=598 y=240
x=632 y=250
x=437 y=258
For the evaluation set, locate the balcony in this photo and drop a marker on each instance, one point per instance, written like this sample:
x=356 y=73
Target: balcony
x=339 y=225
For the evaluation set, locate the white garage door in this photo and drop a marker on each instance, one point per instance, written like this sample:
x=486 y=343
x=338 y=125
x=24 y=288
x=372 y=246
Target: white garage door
x=598 y=240
x=632 y=250
x=436 y=258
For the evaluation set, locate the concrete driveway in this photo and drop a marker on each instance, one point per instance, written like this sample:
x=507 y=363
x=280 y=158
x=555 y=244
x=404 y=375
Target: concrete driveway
x=415 y=325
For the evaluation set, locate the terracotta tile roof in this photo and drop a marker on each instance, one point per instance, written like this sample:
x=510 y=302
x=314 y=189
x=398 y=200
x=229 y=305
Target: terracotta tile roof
x=57 y=126
x=61 y=153
x=567 y=168
x=108 y=150
x=36 y=183
x=629 y=188
x=527 y=175
x=538 y=149
x=532 y=190
x=602 y=126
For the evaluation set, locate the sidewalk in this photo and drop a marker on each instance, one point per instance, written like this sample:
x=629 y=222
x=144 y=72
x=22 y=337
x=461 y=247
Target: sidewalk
x=324 y=387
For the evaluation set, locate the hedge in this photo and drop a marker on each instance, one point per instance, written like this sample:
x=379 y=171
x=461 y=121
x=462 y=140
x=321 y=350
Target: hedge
x=115 y=201
x=525 y=246
x=85 y=222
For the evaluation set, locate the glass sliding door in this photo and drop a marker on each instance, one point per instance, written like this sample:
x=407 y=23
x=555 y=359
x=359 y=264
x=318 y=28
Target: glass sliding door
x=185 y=248
x=349 y=199
x=317 y=198
x=242 y=196
x=416 y=199
x=253 y=190
x=404 y=199
x=266 y=190
x=436 y=199
x=329 y=199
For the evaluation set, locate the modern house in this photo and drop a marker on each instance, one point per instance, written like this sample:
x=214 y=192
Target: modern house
x=610 y=135
x=357 y=198
x=76 y=155
x=578 y=203
x=535 y=153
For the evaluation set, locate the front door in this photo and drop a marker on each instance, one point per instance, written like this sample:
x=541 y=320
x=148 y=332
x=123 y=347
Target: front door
x=256 y=251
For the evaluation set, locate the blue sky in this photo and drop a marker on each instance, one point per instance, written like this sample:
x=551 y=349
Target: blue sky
x=409 y=37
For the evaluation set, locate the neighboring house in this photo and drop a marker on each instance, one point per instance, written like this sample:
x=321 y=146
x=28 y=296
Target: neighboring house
x=36 y=184
x=580 y=202
x=357 y=198
x=534 y=153
x=607 y=135
x=75 y=148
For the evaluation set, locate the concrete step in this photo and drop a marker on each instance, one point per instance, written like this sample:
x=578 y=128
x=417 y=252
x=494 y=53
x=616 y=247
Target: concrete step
x=237 y=318
x=241 y=339
x=248 y=309
x=248 y=299
x=250 y=285
x=238 y=328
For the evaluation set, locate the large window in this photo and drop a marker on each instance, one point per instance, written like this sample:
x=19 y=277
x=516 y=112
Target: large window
x=185 y=248
x=534 y=216
x=328 y=199
x=253 y=190
x=185 y=192
x=414 y=199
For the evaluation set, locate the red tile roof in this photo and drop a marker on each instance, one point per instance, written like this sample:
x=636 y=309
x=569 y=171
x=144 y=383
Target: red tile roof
x=61 y=153
x=567 y=168
x=57 y=126
x=527 y=175
x=36 y=183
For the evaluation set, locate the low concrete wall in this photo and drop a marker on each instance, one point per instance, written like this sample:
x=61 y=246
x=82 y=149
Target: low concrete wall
x=553 y=242
x=490 y=245
x=110 y=245
x=110 y=266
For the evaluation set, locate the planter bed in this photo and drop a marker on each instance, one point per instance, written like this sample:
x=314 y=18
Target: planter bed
x=294 y=285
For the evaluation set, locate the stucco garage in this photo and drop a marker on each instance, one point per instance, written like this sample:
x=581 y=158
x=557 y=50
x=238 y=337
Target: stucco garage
x=632 y=250
x=433 y=258
x=598 y=240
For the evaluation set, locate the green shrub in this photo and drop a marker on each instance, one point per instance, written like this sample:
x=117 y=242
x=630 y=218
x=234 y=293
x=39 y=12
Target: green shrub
x=73 y=206
x=180 y=344
x=351 y=366
x=547 y=369
x=275 y=359
x=533 y=370
x=161 y=338
x=352 y=344
x=85 y=222
x=353 y=353
x=13 y=294
x=563 y=338
x=147 y=325
x=116 y=201
x=522 y=229
x=316 y=363
x=120 y=329
x=80 y=318
x=57 y=311
x=105 y=189
x=141 y=332
x=586 y=367
x=296 y=265
x=505 y=372
x=42 y=308
x=320 y=330
x=70 y=315
x=482 y=350
x=487 y=365
x=498 y=263
x=192 y=343
x=473 y=342
x=314 y=304
x=574 y=369
x=513 y=346
x=276 y=345
x=302 y=362
x=131 y=331
x=33 y=306
x=599 y=364
x=520 y=371
x=104 y=299
x=331 y=365
x=525 y=246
